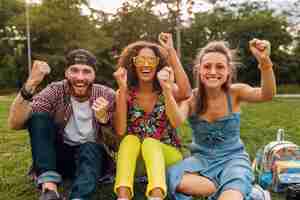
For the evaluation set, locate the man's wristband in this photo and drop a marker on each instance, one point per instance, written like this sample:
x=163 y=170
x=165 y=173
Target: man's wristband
x=25 y=94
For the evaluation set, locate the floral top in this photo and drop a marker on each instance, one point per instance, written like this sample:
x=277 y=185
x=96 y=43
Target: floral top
x=154 y=124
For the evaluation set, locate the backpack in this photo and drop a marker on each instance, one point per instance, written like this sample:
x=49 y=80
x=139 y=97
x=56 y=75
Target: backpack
x=277 y=164
x=293 y=192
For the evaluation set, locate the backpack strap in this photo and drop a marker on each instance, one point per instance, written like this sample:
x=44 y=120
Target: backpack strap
x=280 y=135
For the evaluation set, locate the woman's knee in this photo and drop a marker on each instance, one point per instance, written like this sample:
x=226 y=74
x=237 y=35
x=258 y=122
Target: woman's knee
x=231 y=194
x=195 y=185
x=129 y=148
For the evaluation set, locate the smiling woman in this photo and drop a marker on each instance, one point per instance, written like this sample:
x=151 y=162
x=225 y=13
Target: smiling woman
x=219 y=167
x=140 y=56
x=140 y=113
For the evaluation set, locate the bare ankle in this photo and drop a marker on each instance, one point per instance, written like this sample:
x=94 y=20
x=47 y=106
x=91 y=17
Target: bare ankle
x=157 y=193
x=49 y=186
x=155 y=198
x=123 y=193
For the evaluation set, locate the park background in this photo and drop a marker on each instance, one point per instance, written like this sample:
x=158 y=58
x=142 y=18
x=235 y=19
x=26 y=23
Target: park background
x=56 y=26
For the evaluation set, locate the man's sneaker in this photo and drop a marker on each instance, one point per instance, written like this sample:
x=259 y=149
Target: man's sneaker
x=49 y=195
x=258 y=193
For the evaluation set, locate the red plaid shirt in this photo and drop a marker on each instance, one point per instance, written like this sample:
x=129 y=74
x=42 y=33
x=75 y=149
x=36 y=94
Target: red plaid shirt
x=55 y=99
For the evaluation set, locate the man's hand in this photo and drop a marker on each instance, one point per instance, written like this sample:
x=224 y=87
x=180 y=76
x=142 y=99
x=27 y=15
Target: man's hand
x=100 y=107
x=39 y=70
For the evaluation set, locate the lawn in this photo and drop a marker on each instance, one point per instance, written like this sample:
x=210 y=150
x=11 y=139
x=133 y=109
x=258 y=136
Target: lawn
x=258 y=126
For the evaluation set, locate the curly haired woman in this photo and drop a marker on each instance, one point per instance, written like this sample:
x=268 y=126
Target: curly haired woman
x=141 y=118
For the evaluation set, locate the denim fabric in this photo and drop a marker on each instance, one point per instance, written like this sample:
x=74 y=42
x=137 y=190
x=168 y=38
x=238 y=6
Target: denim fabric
x=88 y=168
x=49 y=176
x=53 y=159
x=43 y=146
x=217 y=154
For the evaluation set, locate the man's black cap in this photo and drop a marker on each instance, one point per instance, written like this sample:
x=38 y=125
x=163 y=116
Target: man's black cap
x=81 y=56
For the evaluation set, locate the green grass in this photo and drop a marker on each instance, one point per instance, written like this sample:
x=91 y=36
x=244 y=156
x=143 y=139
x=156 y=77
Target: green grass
x=260 y=122
x=288 y=89
x=258 y=126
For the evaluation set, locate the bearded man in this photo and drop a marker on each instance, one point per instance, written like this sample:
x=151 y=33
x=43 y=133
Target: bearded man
x=64 y=125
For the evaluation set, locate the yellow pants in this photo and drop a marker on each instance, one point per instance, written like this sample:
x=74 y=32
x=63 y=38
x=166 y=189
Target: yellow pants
x=156 y=155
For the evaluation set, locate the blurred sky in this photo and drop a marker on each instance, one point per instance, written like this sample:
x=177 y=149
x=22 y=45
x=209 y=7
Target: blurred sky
x=112 y=5
x=106 y=5
x=280 y=6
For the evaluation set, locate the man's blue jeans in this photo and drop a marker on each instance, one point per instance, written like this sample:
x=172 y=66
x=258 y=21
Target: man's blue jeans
x=52 y=159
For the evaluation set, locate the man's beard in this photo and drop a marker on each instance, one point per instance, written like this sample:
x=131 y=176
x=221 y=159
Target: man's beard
x=81 y=92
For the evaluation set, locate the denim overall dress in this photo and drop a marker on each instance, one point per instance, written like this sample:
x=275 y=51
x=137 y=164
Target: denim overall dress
x=217 y=154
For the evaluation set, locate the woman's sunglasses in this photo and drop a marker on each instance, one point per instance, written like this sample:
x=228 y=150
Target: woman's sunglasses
x=141 y=61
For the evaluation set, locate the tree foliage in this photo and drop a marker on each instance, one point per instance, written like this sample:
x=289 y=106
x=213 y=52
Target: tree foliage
x=58 y=26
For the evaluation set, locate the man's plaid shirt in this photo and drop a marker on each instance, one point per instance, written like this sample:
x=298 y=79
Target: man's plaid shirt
x=55 y=100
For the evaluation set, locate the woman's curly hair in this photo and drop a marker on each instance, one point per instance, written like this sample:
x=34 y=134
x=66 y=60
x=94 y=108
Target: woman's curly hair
x=132 y=50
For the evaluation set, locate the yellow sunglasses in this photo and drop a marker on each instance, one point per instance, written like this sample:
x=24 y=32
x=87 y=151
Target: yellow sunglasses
x=141 y=61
